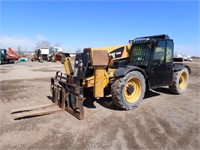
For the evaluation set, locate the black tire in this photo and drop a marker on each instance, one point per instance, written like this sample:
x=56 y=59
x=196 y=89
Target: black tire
x=125 y=94
x=180 y=81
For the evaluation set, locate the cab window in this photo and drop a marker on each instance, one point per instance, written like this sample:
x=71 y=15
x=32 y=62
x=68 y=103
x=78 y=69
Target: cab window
x=140 y=54
x=169 y=52
x=159 y=54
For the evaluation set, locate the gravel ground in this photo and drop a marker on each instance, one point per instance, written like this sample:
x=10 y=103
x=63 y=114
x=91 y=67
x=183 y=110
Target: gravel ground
x=162 y=120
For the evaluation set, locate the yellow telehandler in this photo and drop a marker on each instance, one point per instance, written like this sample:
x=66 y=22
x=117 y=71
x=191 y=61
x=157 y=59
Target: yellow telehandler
x=127 y=70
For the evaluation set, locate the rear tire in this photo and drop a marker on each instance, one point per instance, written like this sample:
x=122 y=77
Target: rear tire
x=128 y=91
x=180 y=81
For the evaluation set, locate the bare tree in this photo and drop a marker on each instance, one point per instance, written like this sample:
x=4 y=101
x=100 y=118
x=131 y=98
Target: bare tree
x=19 y=51
x=57 y=45
x=78 y=50
x=42 y=44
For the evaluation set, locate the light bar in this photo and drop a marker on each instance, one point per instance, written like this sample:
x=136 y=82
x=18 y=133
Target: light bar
x=148 y=38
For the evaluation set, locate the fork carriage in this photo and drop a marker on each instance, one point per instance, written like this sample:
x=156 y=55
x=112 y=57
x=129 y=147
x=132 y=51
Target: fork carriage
x=68 y=94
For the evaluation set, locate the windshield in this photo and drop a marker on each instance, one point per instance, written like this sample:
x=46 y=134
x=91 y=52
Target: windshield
x=140 y=54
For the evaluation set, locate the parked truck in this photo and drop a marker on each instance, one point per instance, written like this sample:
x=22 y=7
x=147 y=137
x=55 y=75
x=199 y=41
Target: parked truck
x=8 y=56
x=40 y=55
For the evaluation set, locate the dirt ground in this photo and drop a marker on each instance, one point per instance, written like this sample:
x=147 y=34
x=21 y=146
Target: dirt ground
x=162 y=120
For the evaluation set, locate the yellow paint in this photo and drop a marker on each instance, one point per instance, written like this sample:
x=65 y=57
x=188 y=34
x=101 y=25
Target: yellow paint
x=68 y=62
x=100 y=81
x=109 y=49
x=110 y=72
x=101 y=74
x=135 y=95
x=88 y=82
x=183 y=82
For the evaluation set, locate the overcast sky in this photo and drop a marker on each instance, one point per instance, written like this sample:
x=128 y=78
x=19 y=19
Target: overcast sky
x=79 y=24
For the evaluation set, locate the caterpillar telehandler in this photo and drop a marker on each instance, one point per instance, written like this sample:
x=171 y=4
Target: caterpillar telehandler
x=127 y=70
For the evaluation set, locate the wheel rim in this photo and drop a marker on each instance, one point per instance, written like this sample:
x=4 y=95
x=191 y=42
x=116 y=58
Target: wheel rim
x=132 y=90
x=182 y=81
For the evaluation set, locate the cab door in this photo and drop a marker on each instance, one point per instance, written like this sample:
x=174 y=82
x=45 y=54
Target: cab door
x=157 y=67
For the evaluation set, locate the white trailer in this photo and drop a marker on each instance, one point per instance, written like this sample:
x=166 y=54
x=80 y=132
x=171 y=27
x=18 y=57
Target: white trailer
x=44 y=51
x=58 y=49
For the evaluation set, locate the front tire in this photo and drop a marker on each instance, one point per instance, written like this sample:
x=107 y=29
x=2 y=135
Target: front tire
x=128 y=91
x=180 y=81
